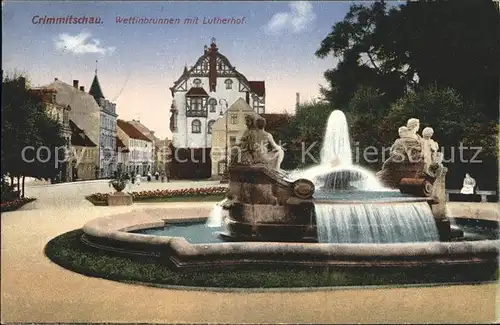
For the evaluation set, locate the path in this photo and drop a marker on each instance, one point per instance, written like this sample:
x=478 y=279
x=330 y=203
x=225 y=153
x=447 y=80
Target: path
x=37 y=290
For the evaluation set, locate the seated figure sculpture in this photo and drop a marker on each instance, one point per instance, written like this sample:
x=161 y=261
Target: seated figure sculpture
x=267 y=151
x=244 y=153
x=413 y=126
x=405 y=158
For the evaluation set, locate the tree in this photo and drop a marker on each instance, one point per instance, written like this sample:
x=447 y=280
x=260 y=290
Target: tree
x=452 y=44
x=26 y=123
x=305 y=131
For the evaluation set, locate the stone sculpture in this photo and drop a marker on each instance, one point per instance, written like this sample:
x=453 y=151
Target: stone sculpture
x=259 y=197
x=268 y=152
x=429 y=148
x=468 y=185
x=244 y=153
x=405 y=157
x=413 y=126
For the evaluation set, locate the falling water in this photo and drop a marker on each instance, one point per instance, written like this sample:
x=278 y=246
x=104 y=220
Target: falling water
x=375 y=223
x=216 y=216
x=336 y=146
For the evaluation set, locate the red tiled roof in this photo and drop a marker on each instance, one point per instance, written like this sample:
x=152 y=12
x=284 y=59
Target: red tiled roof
x=78 y=136
x=258 y=87
x=131 y=131
x=120 y=146
x=197 y=91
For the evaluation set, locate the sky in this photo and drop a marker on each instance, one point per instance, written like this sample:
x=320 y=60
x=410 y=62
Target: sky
x=137 y=63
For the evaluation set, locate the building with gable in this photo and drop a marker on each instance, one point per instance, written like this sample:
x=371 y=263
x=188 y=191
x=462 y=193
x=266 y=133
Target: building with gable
x=140 y=149
x=200 y=96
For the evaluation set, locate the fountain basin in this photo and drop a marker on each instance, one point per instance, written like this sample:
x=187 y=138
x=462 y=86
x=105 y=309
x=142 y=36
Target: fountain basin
x=115 y=234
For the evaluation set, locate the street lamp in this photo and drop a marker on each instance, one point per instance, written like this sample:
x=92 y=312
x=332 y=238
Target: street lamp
x=225 y=176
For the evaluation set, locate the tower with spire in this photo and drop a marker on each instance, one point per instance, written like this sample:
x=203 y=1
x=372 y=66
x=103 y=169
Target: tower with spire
x=107 y=129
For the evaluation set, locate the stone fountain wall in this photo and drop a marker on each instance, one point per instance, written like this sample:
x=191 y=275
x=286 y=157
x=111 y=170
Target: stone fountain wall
x=263 y=204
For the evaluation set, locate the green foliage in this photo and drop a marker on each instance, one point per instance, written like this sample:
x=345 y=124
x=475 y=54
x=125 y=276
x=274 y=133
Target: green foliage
x=452 y=44
x=305 y=129
x=25 y=123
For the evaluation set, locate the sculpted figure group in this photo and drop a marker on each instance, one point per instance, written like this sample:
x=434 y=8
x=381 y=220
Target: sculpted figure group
x=411 y=155
x=257 y=146
x=429 y=148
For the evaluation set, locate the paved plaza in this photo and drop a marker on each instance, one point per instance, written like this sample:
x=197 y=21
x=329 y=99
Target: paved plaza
x=36 y=290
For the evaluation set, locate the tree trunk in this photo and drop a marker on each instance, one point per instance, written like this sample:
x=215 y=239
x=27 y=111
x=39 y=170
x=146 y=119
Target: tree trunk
x=22 y=192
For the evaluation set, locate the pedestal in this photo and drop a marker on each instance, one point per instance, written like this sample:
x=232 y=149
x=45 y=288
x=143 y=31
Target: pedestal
x=119 y=198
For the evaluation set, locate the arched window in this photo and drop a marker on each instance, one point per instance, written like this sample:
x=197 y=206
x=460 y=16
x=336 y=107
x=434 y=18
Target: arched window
x=196 y=126
x=229 y=84
x=197 y=82
x=209 y=126
x=212 y=104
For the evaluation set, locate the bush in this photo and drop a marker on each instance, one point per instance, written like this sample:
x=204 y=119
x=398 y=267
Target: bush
x=15 y=204
x=100 y=198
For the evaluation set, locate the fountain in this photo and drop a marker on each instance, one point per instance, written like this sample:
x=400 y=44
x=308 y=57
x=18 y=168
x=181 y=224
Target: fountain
x=335 y=213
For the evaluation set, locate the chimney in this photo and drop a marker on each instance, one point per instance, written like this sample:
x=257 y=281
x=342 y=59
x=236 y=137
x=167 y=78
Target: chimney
x=82 y=88
x=75 y=84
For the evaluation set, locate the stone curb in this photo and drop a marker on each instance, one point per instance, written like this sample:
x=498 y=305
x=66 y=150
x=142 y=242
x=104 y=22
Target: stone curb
x=305 y=289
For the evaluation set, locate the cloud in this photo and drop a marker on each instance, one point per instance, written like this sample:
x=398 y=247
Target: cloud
x=300 y=16
x=81 y=44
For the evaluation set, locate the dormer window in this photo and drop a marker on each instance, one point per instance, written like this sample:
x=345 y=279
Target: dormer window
x=229 y=84
x=197 y=82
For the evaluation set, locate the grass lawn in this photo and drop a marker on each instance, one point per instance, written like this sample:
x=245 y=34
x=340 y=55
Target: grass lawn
x=193 y=198
x=68 y=251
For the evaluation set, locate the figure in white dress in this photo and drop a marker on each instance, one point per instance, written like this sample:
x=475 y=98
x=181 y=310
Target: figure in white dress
x=468 y=186
x=138 y=179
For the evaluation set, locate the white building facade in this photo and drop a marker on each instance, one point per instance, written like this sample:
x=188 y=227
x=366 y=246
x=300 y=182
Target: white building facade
x=200 y=97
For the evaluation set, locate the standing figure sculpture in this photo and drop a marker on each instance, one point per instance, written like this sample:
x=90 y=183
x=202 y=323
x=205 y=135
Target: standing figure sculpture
x=429 y=148
x=268 y=152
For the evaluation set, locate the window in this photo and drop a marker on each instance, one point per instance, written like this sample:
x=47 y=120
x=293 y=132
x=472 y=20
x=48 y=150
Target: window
x=197 y=82
x=234 y=119
x=196 y=126
x=212 y=103
x=196 y=104
x=209 y=126
x=229 y=84
x=232 y=141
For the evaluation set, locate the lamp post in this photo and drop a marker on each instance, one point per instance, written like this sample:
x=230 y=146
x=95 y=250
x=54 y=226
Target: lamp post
x=225 y=176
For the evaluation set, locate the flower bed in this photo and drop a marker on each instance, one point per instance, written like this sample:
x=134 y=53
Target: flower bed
x=163 y=195
x=15 y=204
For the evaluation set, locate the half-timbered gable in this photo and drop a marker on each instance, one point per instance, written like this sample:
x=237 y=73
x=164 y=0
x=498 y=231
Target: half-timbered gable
x=203 y=92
